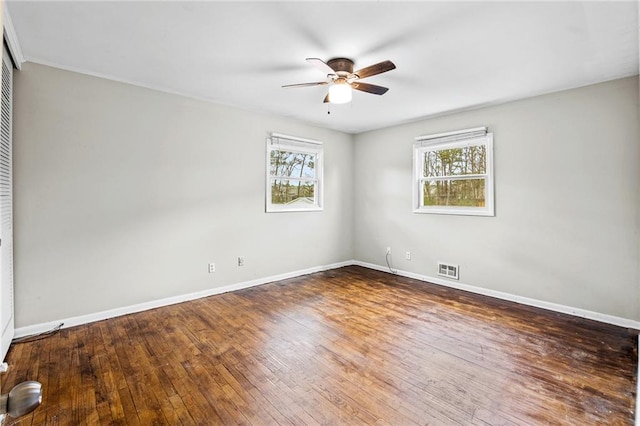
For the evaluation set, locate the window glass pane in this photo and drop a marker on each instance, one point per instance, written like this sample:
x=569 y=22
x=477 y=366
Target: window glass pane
x=468 y=160
x=293 y=164
x=292 y=192
x=458 y=193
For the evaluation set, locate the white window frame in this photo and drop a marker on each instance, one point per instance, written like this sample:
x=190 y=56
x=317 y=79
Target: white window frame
x=442 y=141
x=279 y=142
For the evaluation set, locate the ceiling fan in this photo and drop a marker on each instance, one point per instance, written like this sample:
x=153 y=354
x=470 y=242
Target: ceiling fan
x=341 y=78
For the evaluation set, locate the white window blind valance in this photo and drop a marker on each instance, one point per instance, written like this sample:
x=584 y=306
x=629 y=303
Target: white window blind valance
x=459 y=135
x=280 y=139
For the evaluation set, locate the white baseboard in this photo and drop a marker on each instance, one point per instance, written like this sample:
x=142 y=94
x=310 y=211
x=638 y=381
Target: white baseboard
x=112 y=313
x=583 y=313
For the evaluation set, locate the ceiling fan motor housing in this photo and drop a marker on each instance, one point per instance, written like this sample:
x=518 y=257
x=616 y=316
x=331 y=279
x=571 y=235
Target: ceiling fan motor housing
x=342 y=66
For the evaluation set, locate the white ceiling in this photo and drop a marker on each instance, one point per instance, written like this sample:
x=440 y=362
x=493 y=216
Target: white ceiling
x=450 y=56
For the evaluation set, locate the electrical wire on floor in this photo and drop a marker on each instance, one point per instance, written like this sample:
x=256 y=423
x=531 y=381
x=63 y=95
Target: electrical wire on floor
x=388 y=259
x=34 y=337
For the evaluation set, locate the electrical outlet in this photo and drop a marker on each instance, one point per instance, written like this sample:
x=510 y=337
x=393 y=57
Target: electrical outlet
x=241 y=261
x=407 y=255
x=212 y=268
x=388 y=250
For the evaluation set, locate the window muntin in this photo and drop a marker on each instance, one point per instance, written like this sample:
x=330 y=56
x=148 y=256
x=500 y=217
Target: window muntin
x=453 y=173
x=294 y=174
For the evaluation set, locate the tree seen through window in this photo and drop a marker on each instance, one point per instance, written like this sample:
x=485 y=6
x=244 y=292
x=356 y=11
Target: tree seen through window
x=449 y=177
x=293 y=177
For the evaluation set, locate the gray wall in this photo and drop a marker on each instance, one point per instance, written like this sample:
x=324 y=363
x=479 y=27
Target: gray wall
x=567 y=224
x=124 y=194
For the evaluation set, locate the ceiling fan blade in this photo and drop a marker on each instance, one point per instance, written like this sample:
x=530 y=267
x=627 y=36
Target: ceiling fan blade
x=378 y=68
x=321 y=65
x=317 y=83
x=369 y=88
x=326 y=99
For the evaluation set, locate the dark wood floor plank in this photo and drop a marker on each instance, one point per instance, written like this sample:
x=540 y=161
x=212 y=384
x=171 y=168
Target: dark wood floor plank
x=346 y=346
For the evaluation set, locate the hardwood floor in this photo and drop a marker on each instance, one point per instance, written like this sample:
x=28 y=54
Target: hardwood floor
x=347 y=346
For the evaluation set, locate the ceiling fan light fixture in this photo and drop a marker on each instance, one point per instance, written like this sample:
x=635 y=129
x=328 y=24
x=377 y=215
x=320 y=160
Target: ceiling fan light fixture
x=340 y=93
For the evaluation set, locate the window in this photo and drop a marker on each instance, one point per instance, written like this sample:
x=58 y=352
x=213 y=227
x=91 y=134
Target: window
x=294 y=174
x=453 y=173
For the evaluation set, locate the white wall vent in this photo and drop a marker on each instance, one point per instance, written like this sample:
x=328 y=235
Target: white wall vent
x=447 y=270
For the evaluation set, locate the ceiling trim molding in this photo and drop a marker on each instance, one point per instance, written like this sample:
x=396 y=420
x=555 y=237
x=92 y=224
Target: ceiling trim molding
x=11 y=37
